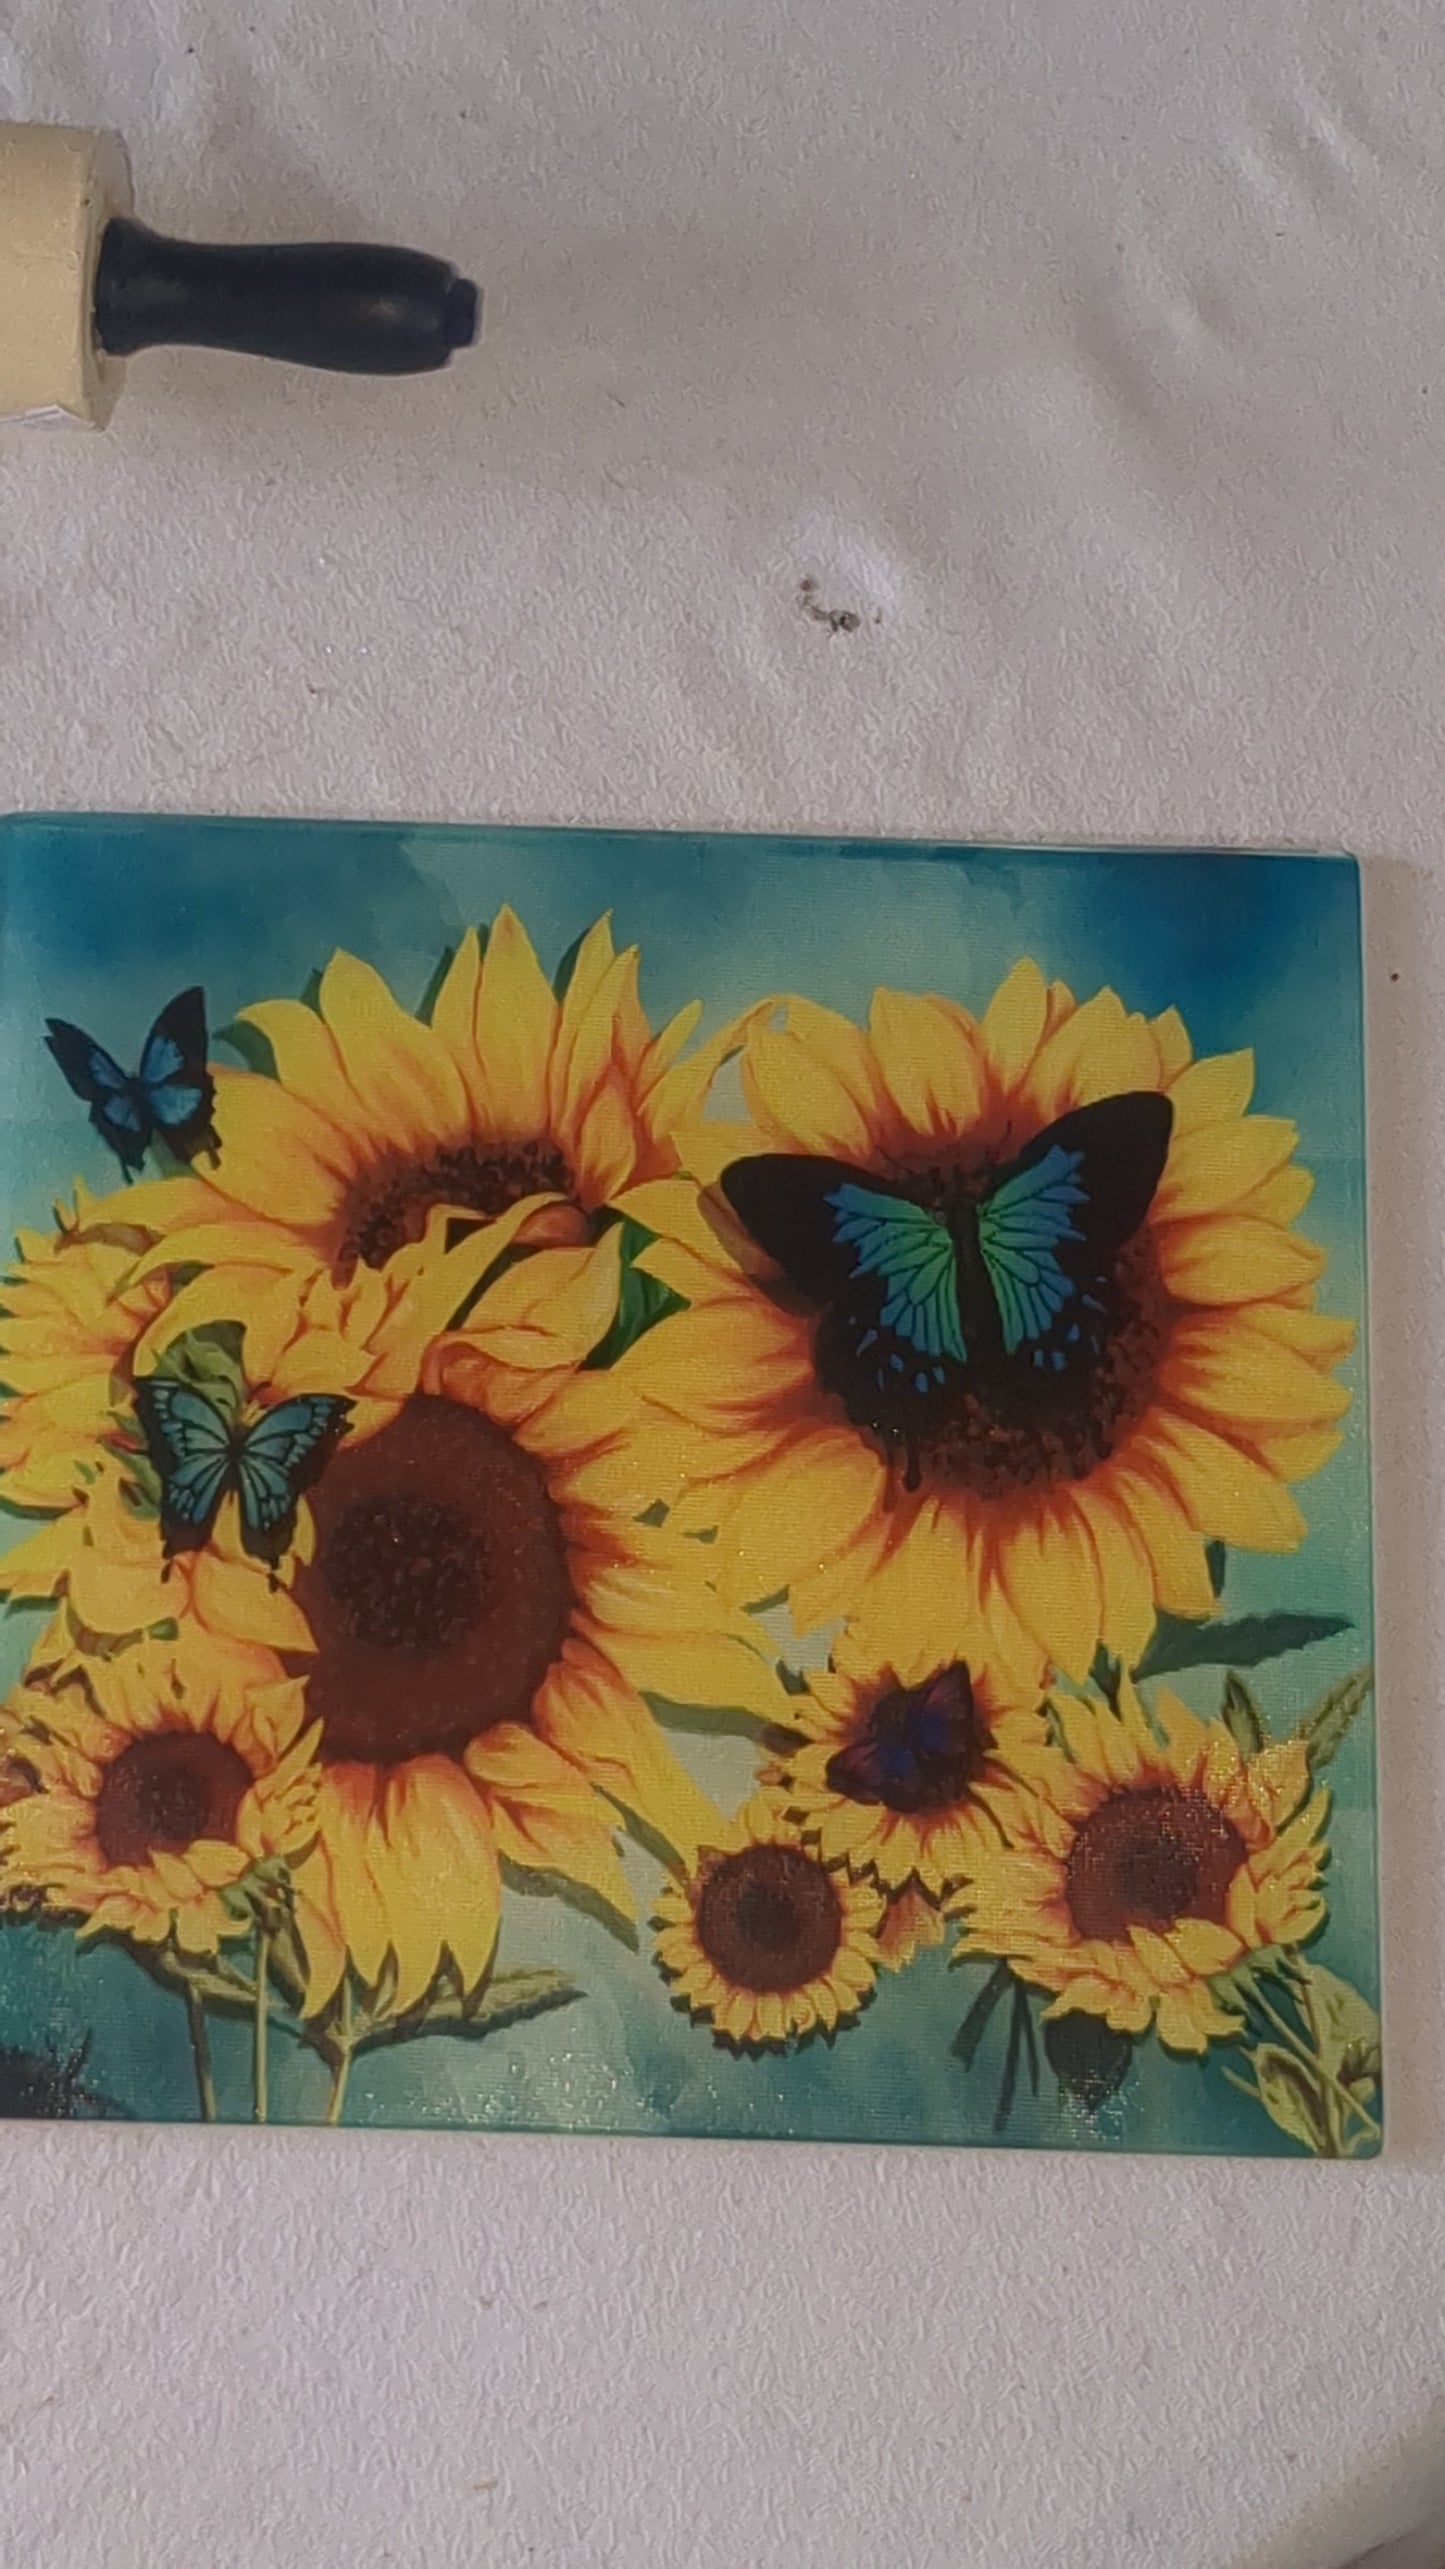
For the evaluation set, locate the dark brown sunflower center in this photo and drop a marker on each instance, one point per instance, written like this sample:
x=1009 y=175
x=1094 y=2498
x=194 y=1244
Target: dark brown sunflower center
x=439 y=1594
x=1148 y=1857
x=388 y=1204
x=406 y=1573
x=918 y=1749
x=769 y=1919
x=167 y=1790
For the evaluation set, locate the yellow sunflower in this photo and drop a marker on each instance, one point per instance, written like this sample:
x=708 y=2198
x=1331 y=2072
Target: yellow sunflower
x=101 y=1555
x=155 y=1780
x=380 y=1134
x=71 y=1314
x=912 y=1923
x=480 y=1629
x=900 y=1759
x=763 y=1939
x=1068 y=1508
x=1139 y=1865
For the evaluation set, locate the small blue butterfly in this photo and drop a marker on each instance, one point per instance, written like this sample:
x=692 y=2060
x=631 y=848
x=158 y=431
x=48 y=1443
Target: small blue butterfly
x=920 y=1748
x=172 y=1093
x=200 y=1454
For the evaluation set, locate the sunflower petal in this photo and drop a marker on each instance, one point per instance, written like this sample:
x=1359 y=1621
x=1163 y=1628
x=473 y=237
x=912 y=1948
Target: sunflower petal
x=928 y=1060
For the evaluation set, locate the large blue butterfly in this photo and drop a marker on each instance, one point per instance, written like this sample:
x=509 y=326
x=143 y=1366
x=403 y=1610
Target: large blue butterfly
x=200 y=1454
x=1009 y=1271
x=171 y=1094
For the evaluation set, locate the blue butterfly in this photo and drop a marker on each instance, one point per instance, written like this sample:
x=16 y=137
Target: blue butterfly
x=926 y=1284
x=172 y=1093
x=200 y=1454
x=921 y=1748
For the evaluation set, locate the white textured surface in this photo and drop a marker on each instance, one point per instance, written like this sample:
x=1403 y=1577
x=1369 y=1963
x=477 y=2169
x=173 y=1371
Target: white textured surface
x=1090 y=350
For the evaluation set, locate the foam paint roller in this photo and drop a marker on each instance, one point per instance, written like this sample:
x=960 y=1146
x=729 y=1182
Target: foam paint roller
x=84 y=286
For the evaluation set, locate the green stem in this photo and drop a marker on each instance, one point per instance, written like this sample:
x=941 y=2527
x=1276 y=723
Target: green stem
x=341 y=2066
x=201 y=2048
x=260 y=2073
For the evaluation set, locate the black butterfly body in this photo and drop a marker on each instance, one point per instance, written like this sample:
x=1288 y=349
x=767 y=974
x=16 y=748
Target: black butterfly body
x=929 y=1284
x=199 y=1453
x=171 y=1095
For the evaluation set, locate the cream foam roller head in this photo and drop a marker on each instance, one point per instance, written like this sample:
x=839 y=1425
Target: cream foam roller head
x=59 y=188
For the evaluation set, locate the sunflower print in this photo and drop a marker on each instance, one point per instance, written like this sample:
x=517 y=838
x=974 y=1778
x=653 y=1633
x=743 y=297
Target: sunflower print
x=463 y=1514
x=382 y=1137
x=763 y=1940
x=98 y=1551
x=71 y=1315
x=1061 y=1529
x=1142 y=1863
x=899 y=1760
x=481 y=1633
x=153 y=1782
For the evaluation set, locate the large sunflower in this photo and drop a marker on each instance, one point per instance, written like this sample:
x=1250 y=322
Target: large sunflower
x=156 y=1779
x=763 y=1939
x=482 y=1626
x=381 y=1134
x=900 y=1760
x=1139 y=1865
x=1067 y=1518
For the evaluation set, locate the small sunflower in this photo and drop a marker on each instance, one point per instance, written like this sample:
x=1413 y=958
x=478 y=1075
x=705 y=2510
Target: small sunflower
x=763 y=1938
x=1064 y=1511
x=900 y=1758
x=1137 y=1867
x=381 y=1134
x=71 y=1314
x=155 y=1780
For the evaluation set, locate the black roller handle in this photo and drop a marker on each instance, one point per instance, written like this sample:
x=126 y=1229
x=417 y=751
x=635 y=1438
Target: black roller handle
x=342 y=304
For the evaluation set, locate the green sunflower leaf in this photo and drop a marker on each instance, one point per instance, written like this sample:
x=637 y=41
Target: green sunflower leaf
x=1327 y=1722
x=1244 y=1643
x=1216 y=1557
x=966 y=2041
x=1242 y=1717
x=642 y=1300
x=1346 y=2027
x=426 y=1005
x=209 y=1361
x=1292 y=2098
x=253 y=1047
x=311 y=993
x=508 y=1998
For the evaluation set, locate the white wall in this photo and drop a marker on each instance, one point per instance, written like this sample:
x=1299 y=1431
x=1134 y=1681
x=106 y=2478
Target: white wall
x=1095 y=345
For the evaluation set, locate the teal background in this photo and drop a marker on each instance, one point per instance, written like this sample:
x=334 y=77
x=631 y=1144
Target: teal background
x=105 y=918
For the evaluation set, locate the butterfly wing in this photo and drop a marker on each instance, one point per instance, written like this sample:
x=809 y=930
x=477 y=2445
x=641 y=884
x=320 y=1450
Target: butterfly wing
x=190 y=1445
x=277 y=1459
x=118 y=1108
x=883 y=1267
x=919 y=1750
x=1052 y=1228
x=178 y=1089
x=782 y=1201
x=912 y=1254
